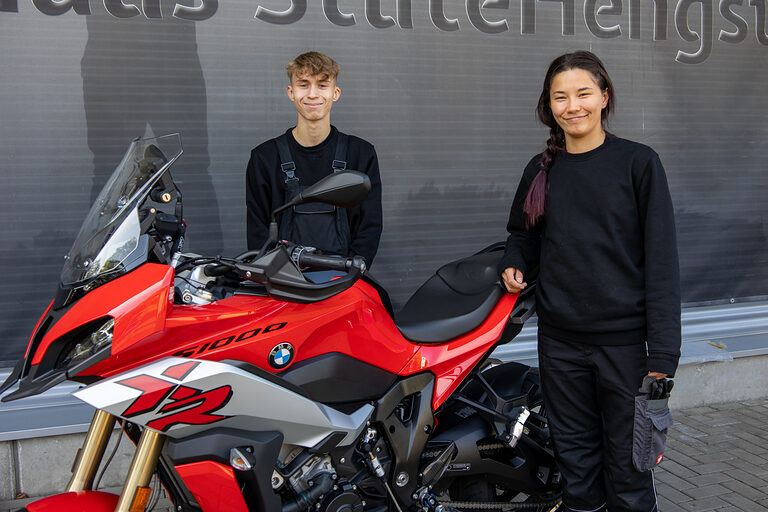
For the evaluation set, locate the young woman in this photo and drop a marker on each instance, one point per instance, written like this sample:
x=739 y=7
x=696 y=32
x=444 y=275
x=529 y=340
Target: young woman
x=593 y=212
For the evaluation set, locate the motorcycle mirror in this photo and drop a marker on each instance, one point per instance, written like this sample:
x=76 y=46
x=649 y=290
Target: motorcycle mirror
x=346 y=189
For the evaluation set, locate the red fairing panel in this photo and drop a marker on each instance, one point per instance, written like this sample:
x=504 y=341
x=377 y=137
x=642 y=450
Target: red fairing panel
x=83 y=501
x=213 y=485
x=148 y=326
x=246 y=328
x=451 y=362
x=37 y=326
x=138 y=302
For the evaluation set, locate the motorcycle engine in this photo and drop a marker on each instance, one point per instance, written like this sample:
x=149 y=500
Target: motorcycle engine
x=316 y=484
x=301 y=478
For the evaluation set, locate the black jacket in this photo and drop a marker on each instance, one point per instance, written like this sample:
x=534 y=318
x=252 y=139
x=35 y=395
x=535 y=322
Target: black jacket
x=266 y=188
x=606 y=249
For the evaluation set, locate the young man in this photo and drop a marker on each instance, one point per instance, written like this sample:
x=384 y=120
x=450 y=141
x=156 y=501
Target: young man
x=281 y=167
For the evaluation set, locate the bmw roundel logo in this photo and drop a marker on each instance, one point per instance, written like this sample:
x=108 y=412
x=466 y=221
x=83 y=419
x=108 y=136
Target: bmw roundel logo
x=281 y=355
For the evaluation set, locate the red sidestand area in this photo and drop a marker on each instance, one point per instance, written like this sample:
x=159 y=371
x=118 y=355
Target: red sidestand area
x=83 y=501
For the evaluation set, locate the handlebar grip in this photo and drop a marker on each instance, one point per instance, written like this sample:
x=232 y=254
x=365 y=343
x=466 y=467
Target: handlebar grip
x=306 y=259
x=216 y=269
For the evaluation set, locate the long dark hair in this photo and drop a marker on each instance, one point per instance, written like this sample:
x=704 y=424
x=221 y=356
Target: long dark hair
x=588 y=61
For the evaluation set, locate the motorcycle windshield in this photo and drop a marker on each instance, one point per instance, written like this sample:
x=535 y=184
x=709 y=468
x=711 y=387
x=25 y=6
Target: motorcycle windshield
x=112 y=229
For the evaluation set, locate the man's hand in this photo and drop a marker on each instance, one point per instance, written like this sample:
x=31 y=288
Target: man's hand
x=658 y=375
x=513 y=280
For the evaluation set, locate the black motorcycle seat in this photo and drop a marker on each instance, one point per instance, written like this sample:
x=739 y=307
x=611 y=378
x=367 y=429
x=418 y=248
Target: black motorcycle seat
x=457 y=299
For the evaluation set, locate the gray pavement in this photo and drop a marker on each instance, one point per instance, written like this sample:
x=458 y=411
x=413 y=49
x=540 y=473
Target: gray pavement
x=716 y=460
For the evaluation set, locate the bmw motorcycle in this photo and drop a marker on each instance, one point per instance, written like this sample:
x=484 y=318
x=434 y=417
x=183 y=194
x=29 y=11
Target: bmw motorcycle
x=250 y=384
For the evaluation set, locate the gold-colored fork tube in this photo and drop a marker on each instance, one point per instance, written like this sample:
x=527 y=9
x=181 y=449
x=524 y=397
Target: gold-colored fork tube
x=92 y=451
x=142 y=467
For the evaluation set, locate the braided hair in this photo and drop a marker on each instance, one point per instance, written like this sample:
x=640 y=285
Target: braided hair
x=535 y=201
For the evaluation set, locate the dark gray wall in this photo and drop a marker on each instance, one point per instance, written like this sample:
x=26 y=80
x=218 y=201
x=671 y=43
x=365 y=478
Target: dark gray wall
x=444 y=89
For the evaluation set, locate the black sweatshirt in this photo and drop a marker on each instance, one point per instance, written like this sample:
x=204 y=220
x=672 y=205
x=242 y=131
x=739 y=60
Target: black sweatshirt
x=606 y=248
x=266 y=190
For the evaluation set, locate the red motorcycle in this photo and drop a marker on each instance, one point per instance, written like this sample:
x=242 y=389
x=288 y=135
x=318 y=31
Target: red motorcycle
x=250 y=383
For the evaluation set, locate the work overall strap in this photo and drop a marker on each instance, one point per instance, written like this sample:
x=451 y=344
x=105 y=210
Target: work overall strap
x=339 y=164
x=286 y=162
x=340 y=159
x=296 y=225
x=288 y=169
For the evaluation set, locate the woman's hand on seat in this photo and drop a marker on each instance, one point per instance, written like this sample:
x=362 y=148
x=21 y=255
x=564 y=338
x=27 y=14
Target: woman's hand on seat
x=513 y=280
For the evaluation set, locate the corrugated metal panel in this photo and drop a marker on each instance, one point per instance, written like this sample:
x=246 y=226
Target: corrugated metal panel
x=450 y=113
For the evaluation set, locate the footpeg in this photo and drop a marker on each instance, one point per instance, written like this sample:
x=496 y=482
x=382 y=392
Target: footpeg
x=437 y=467
x=518 y=429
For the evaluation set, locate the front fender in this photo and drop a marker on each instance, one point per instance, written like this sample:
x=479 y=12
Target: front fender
x=82 y=501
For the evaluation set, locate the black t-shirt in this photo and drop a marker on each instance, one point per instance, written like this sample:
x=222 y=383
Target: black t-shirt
x=266 y=188
x=606 y=249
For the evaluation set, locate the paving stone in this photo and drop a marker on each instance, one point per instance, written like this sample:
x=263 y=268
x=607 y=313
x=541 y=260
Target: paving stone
x=685 y=460
x=716 y=460
x=687 y=430
x=712 y=467
x=684 y=448
x=754 y=427
x=748 y=456
x=706 y=491
x=760 y=471
x=722 y=421
x=678 y=469
x=696 y=428
x=748 y=478
x=671 y=494
x=704 y=504
x=745 y=490
x=747 y=445
x=717 y=456
x=712 y=478
x=750 y=412
x=725 y=436
x=674 y=481
x=750 y=438
x=694 y=411
x=754 y=402
x=727 y=406
x=666 y=505
x=692 y=441
x=742 y=502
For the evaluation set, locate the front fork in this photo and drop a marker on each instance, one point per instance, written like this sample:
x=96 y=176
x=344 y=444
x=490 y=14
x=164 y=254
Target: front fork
x=90 y=455
x=136 y=486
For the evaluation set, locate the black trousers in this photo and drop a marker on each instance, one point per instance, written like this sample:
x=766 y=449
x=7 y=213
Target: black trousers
x=589 y=394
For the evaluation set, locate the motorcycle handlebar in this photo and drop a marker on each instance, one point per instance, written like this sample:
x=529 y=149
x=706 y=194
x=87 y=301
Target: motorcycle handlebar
x=280 y=272
x=217 y=269
x=308 y=259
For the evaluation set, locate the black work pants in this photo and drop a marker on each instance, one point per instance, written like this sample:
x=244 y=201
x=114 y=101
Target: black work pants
x=589 y=393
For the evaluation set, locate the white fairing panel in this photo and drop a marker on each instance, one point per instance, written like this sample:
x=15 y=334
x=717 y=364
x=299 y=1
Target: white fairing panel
x=181 y=397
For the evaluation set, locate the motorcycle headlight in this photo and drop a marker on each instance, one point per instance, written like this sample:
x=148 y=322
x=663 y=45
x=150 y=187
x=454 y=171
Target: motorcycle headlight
x=89 y=344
